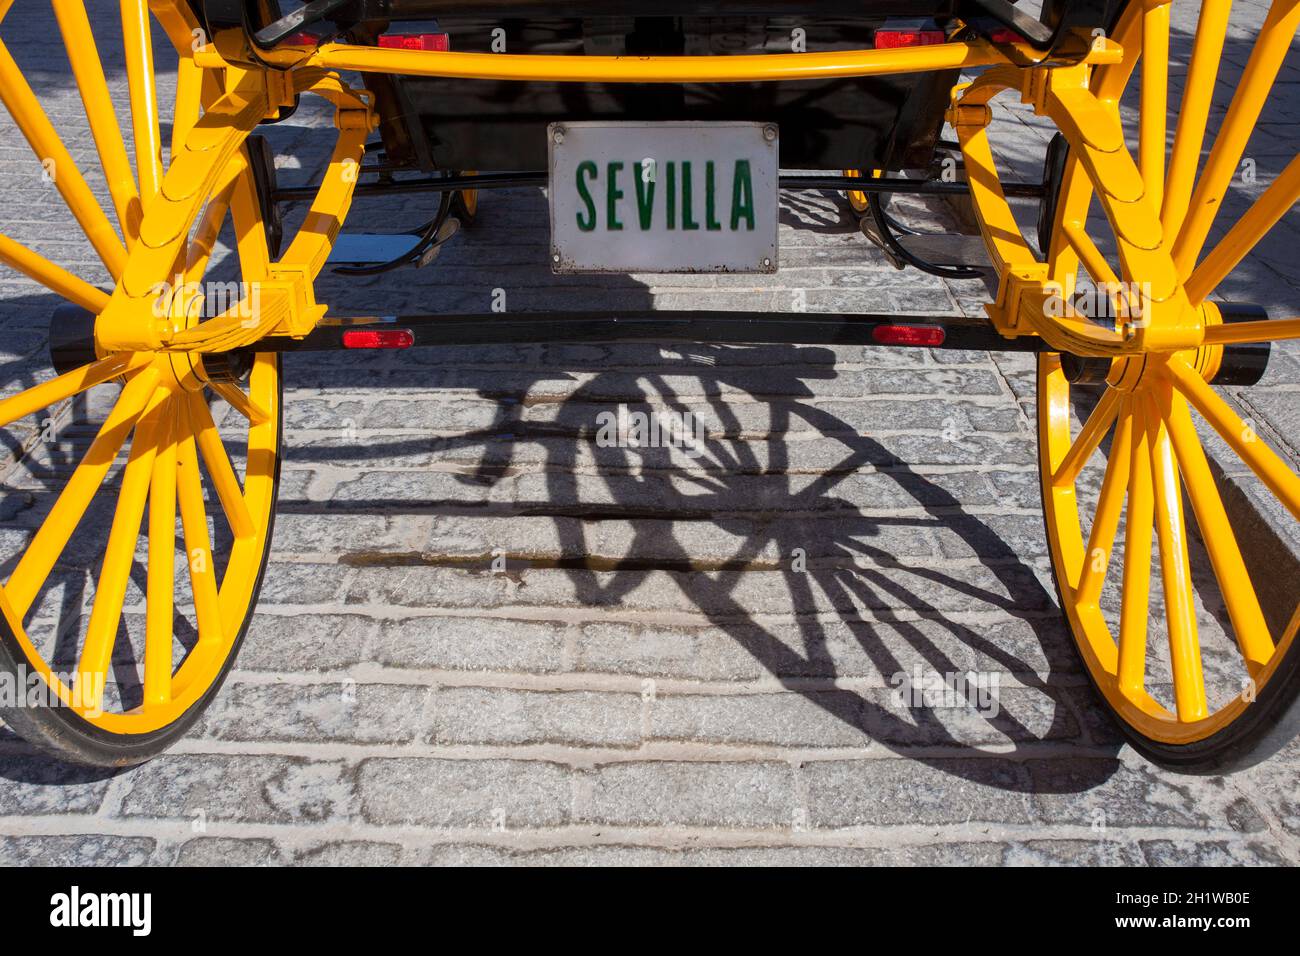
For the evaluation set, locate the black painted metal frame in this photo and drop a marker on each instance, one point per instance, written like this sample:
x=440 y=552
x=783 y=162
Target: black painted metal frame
x=723 y=327
x=532 y=179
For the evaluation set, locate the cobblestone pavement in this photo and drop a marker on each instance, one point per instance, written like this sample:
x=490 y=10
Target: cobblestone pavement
x=650 y=679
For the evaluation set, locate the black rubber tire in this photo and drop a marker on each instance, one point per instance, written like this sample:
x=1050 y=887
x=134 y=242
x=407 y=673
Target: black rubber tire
x=67 y=735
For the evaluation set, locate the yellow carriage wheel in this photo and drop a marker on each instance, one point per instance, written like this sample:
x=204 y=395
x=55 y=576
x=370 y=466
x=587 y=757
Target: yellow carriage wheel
x=1200 y=672
x=165 y=523
x=857 y=198
x=466 y=203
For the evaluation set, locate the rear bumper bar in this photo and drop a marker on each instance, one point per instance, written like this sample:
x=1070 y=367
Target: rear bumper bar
x=749 y=328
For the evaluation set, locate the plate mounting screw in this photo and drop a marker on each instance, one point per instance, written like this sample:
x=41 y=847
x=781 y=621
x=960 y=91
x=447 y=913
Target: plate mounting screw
x=558 y=134
x=767 y=263
x=769 y=133
x=555 y=257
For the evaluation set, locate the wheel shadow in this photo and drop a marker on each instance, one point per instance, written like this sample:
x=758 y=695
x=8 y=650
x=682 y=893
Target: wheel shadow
x=852 y=582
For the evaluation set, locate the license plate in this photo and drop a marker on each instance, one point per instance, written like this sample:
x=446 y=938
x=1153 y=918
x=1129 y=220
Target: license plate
x=663 y=197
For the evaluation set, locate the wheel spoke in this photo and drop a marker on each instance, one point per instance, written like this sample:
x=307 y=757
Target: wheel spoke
x=1155 y=99
x=1176 y=573
x=1253 y=88
x=1225 y=555
x=246 y=214
x=198 y=545
x=1110 y=504
x=53 y=277
x=219 y=469
x=27 y=113
x=1194 y=114
x=1135 y=603
x=66 y=385
x=1263 y=461
x=88 y=70
x=119 y=554
x=1263 y=214
x=1090 y=436
x=138 y=45
x=237 y=399
x=189 y=92
x=47 y=545
x=1089 y=254
x=161 y=575
x=206 y=234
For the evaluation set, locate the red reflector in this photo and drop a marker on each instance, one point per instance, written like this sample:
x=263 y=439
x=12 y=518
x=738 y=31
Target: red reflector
x=1004 y=36
x=299 y=39
x=378 y=339
x=892 y=39
x=908 y=334
x=439 y=42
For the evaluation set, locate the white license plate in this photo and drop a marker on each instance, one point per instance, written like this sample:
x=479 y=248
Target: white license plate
x=663 y=197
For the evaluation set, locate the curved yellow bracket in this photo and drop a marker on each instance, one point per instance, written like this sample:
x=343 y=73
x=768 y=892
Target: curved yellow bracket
x=132 y=322
x=1032 y=300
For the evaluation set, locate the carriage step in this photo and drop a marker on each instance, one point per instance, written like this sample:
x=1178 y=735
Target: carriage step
x=378 y=248
x=948 y=250
x=358 y=248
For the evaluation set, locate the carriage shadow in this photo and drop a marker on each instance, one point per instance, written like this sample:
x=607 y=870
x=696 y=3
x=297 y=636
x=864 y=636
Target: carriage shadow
x=854 y=597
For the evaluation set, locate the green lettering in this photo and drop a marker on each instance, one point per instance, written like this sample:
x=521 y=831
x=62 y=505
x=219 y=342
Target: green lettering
x=687 y=221
x=742 y=196
x=612 y=195
x=645 y=199
x=587 y=168
x=710 y=220
x=671 y=206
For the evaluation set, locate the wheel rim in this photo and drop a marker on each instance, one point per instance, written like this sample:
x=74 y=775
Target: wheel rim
x=178 y=649
x=1115 y=551
x=857 y=198
x=469 y=197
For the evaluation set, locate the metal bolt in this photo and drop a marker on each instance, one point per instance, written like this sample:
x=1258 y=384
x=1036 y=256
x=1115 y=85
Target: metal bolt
x=555 y=257
x=769 y=133
x=767 y=263
x=558 y=135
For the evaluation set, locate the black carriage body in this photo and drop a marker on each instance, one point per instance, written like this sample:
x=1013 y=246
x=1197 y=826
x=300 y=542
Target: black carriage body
x=886 y=122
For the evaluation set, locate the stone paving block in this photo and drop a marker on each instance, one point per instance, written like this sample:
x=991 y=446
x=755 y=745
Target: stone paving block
x=218 y=788
x=305 y=642
x=750 y=794
x=897 y=792
x=468 y=643
x=351 y=853
x=1210 y=853
x=227 y=851
x=483 y=793
x=480 y=715
x=345 y=711
x=95 y=850
x=1091 y=853
x=1111 y=794
x=40 y=785
x=807 y=719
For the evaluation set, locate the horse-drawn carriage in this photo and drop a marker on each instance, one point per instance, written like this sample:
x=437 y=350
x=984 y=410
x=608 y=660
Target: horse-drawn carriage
x=664 y=133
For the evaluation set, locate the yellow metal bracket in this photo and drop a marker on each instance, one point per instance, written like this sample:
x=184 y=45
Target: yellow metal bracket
x=1031 y=299
x=286 y=299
